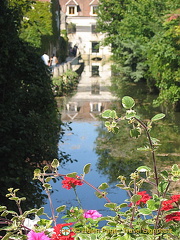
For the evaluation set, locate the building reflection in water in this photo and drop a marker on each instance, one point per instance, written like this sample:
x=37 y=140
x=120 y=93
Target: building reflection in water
x=93 y=95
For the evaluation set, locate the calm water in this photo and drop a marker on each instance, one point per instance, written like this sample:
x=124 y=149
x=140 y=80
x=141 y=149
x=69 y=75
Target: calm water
x=89 y=142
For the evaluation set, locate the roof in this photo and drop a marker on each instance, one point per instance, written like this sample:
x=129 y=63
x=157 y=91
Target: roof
x=72 y=2
x=94 y=2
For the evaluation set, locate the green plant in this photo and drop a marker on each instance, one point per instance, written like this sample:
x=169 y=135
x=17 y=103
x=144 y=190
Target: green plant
x=154 y=216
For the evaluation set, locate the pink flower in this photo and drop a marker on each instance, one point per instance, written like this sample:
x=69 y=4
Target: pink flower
x=92 y=214
x=37 y=236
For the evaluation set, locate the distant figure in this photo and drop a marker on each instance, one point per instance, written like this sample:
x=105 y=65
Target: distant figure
x=70 y=51
x=74 y=51
x=54 y=60
x=45 y=58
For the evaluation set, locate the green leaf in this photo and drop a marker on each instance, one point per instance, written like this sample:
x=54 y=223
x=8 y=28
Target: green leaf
x=130 y=114
x=143 y=169
x=55 y=163
x=45 y=168
x=106 y=114
x=37 y=172
x=135 y=133
x=135 y=198
x=158 y=117
x=175 y=168
x=7 y=236
x=107 y=124
x=128 y=102
x=164 y=174
x=48 y=179
x=61 y=208
x=145 y=211
x=146 y=148
x=14 y=198
x=113 y=114
x=120 y=185
x=22 y=199
x=40 y=211
x=162 y=186
x=123 y=205
x=152 y=205
x=86 y=168
x=47 y=185
x=72 y=175
x=103 y=186
x=110 y=205
x=2 y=208
x=99 y=195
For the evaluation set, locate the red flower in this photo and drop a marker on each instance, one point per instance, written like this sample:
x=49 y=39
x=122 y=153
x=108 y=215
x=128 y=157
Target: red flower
x=144 y=198
x=167 y=205
x=173 y=217
x=175 y=198
x=69 y=182
x=63 y=232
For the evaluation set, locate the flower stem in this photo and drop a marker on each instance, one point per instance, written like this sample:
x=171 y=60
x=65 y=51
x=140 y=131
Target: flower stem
x=74 y=188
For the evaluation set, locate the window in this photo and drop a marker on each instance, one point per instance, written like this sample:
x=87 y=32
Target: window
x=95 y=70
x=71 y=10
x=93 y=10
x=95 y=47
x=93 y=29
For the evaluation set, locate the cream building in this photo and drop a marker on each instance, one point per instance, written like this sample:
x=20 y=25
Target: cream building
x=79 y=18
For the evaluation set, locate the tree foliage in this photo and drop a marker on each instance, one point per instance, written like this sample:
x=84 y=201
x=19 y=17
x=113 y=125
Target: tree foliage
x=29 y=120
x=36 y=21
x=144 y=43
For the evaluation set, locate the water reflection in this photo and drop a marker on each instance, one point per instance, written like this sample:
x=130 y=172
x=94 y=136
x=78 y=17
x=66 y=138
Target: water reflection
x=110 y=155
x=82 y=110
x=93 y=94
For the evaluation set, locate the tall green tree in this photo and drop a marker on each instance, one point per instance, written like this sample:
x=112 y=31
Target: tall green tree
x=29 y=121
x=36 y=25
x=37 y=22
x=131 y=28
x=164 y=60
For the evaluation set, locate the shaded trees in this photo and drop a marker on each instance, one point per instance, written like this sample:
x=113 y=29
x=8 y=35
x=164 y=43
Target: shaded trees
x=29 y=120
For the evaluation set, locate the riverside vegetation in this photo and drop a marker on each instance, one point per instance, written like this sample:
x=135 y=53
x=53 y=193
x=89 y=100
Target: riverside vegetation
x=144 y=215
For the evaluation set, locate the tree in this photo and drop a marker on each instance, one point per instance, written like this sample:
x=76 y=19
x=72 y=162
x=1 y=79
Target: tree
x=37 y=24
x=164 y=61
x=131 y=28
x=29 y=119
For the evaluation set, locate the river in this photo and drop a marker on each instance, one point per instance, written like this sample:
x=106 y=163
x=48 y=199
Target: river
x=88 y=141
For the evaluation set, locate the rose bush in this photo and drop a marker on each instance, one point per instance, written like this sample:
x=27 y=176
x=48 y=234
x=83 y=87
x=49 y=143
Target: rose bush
x=144 y=216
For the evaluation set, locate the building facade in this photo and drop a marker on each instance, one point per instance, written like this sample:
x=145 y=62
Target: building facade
x=79 y=18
